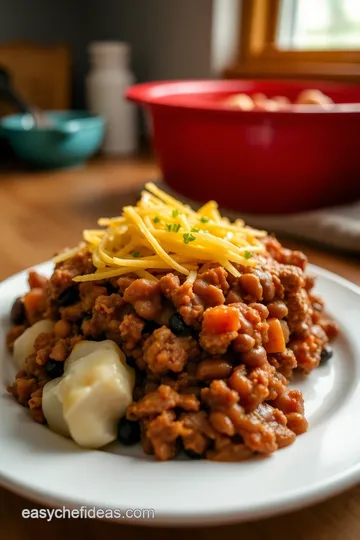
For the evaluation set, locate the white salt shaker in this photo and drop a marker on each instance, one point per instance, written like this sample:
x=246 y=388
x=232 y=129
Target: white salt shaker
x=106 y=84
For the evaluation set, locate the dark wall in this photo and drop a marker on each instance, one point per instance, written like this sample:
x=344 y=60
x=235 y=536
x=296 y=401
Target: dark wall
x=170 y=38
x=28 y=19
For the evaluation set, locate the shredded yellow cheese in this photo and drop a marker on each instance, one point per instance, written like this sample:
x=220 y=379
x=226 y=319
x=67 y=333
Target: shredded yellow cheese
x=67 y=254
x=160 y=234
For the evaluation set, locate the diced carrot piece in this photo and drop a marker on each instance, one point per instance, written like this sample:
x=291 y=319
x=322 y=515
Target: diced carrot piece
x=34 y=303
x=37 y=281
x=221 y=319
x=276 y=342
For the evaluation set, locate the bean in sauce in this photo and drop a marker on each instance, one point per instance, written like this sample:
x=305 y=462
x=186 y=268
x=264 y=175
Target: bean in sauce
x=54 y=368
x=70 y=296
x=326 y=354
x=18 y=314
x=177 y=325
x=128 y=432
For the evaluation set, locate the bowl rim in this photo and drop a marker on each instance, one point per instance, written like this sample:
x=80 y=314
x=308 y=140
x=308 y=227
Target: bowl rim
x=157 y=94
x=81 y=120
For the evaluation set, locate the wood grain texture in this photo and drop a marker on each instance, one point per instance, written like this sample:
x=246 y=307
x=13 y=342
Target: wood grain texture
x=43 y=212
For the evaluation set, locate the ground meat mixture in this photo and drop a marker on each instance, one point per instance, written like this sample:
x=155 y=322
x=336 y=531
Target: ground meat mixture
x=164 y=352
x=192 y=299
x=62 y=278
x=145 y=296
x=213 y=356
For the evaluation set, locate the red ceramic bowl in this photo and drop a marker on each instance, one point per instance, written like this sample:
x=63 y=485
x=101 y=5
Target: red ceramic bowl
x=255 y=161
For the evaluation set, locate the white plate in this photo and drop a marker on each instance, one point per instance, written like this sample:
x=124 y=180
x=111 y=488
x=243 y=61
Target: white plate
x=43 y=466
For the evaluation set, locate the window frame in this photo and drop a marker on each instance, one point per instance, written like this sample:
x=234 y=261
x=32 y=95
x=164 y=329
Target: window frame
x=258 y=54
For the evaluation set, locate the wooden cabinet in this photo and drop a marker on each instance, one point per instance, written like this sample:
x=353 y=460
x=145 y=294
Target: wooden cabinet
x=40 y=74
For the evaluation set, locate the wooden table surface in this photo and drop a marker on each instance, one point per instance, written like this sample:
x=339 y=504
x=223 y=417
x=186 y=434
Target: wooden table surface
x=43 y=212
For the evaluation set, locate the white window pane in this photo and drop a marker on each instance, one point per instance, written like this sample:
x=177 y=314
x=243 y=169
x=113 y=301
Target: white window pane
x=319 y=24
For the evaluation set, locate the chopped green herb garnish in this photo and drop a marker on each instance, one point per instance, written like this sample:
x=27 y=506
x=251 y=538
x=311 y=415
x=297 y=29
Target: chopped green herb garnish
x=194 y=229
x=204 y=219
x=247 y=255
x=176 y=227
x=188 y=237
x=156 y=219
x=175 y=213
x=136 y=254
x=168 y=226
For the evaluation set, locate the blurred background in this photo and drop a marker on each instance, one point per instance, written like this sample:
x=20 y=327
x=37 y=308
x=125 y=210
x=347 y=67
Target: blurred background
x=169 y=40
x=80 y=58
x=45 y=45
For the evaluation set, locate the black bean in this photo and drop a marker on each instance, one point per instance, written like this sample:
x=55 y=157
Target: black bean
x=131 y=362
x=70 y=296
x=326 y=354
x=17 y=314
x=149 y=327
x=54 y=368
x=192 y=454
x=177 y=324
x=237 y=439
x=128 y=432
x=111 y=289
x=100 y=337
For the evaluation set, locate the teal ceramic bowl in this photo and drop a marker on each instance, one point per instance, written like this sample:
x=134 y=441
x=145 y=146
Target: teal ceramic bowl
x=71 y=138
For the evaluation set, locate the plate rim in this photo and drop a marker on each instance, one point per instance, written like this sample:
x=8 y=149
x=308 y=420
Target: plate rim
x=296 y=500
